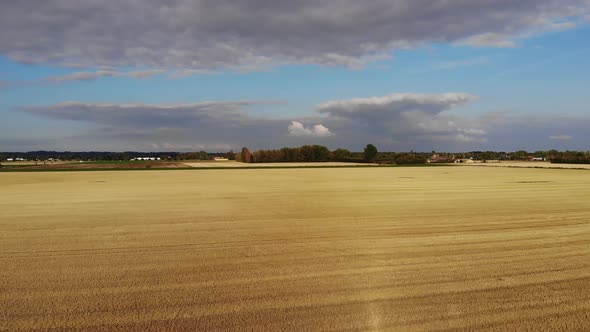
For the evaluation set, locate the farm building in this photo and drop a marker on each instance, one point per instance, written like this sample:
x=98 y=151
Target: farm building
x=146 y=158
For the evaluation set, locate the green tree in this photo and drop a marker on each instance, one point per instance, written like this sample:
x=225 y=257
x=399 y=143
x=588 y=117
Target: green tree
x=203 y=155
x=341 y=154
x=370 y=153
x=520 y=155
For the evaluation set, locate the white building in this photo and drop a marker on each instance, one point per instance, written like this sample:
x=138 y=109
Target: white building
x=146 y=158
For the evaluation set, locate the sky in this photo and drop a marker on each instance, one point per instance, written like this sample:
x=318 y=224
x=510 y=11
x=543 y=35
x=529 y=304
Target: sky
x=217 y=75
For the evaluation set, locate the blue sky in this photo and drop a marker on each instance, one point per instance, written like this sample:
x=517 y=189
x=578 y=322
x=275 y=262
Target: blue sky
x=531 y=95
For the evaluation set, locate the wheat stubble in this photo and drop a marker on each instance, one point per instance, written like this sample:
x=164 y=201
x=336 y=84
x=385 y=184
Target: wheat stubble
x=296 y=249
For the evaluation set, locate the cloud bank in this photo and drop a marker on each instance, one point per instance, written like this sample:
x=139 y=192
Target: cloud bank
x=408 y=116
x=253 y=34
x=395 y=122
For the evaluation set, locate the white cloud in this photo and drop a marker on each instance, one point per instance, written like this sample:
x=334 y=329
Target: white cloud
x=561 y=137
x=471 y=131
x=297 y=128
x=408 y=116
x=393 y=104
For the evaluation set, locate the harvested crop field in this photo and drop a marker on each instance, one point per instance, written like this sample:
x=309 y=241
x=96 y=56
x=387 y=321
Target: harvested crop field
x=235 y=164
x=93 y=165
x=426 y=248
x=530 y=164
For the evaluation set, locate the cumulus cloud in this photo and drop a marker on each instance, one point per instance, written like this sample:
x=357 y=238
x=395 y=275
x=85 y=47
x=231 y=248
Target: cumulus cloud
x=394 y=104
x=297 y=128
x=407 y=117
x=254 y=34
x=561 y=137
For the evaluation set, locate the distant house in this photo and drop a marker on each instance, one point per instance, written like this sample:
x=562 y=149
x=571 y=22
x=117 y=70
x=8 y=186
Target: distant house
x=9 y=159
x=220 y=159
x=538 y=159
x=438 y=158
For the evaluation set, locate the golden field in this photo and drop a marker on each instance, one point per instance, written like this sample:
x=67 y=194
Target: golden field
x=237 y=164
x=417 y=248
x=529 y=164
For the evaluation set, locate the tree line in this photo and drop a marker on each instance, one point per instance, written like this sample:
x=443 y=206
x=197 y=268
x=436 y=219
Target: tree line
x=319 y=153
x=570 y=157
x=554 y=156
x=307 y=153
